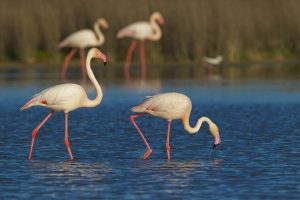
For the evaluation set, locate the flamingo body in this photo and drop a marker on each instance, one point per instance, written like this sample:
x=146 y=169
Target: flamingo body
x=213 y=61
x=64 y=97
x=167 y=106
x=137 y=30
x=81 y=39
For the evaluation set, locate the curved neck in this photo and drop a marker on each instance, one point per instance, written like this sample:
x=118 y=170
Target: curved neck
x=99 y=94
x=156 y=35
x=188 y=128
x=212 y=127
x=99 y=34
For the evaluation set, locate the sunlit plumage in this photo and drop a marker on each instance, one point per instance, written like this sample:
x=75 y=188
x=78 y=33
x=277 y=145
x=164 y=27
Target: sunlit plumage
x=67 y=97
x=171 y=106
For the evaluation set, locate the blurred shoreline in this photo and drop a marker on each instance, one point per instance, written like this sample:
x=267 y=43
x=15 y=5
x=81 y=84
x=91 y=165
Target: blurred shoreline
x=238 y=30
x=260 y=70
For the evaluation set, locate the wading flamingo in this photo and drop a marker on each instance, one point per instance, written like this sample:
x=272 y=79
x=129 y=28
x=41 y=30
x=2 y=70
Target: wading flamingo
x=141 y=31
x=82 y=39
x=171 y=106
x=67 y=97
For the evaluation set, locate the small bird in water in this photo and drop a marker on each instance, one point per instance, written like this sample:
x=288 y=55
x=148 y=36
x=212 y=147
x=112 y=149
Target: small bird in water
x=171 y=106
x=67 y=97
x=211 y=62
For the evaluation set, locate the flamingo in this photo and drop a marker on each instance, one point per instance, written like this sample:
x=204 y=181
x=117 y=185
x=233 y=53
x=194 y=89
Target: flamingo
x=171 y=106
x=66 y=97
x=141 y=31
x=82 y=39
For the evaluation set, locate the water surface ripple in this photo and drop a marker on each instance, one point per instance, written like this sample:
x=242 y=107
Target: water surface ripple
x=258 y=157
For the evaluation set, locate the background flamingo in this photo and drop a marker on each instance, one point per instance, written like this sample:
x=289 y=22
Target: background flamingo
x=82 y=39
x=171 y=106
x=67 y=97
x=141 y=31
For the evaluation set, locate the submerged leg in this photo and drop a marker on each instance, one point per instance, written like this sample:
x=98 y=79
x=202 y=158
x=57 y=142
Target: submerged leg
x=128 y=59
x=82 y=63
x=66 y=136
x=34 y=132
x=66 y=64
x=168 y=139
x=143 y=60
x=149 y=151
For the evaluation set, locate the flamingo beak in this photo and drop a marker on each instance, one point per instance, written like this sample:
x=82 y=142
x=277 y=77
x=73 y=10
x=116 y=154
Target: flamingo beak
x=161 y=21
x=215 y=145
x=104 y=62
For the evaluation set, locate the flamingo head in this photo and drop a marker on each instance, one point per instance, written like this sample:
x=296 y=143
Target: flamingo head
x=215 y=132
x=103 y=23
x=98 y=54
x=157 y=16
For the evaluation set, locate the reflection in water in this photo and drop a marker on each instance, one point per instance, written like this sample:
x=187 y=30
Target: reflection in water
x=93 y=171
x=149 y=85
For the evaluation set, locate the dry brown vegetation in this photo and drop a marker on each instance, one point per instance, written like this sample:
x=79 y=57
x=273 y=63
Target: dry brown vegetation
x=238 y=29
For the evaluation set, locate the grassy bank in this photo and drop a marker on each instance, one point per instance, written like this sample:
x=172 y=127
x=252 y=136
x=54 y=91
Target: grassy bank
x=237 y=29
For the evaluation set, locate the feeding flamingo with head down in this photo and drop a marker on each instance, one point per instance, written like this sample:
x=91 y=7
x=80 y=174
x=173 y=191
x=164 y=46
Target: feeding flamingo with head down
x=82 y=39
x=66 y=97
x=171 y=106
x=141 y=31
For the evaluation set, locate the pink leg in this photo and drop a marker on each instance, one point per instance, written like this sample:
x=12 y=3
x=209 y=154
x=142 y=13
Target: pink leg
x=82 y=63
x=143 y=60
x=149 y=151
x=168 y=139
x=128 y=59
x=67 y=137
x=66 y=64
x=34 y=132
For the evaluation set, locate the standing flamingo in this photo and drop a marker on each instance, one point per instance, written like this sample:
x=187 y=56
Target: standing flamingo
x=82 y=39
x=67 y=97
x=171 y=106
x=141 y=31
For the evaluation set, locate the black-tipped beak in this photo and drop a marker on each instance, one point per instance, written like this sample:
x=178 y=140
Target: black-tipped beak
x=104 y=63
x=215 y=145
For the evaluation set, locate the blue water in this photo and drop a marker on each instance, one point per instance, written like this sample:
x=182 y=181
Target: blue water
x=259 y=157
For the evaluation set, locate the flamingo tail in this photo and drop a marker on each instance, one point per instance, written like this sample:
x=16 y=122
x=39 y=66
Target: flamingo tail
x=30 y=103
x=64 y=43
x=138 y=109
x=124 y=32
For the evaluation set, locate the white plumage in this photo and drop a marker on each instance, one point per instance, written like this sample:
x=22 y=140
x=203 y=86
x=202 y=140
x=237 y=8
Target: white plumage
x=81 y=39
x=137 y=30
x=63 y=97
x=167 y=106
x=213 y=61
